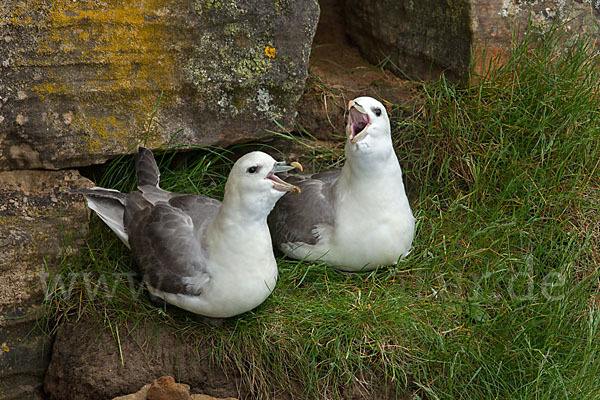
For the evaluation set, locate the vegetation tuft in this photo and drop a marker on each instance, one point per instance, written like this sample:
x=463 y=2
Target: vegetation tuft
x=500 y=295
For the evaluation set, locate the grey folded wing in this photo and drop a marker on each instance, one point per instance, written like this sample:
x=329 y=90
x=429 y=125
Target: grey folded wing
x=296 y=216
x=166 y=241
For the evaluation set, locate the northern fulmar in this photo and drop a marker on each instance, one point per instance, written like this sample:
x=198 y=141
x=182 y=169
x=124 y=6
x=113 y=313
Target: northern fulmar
x=210 y=258
x=354 y=218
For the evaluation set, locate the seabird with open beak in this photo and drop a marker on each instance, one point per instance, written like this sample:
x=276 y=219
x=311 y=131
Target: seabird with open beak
x=357 y=217
x=210 y=258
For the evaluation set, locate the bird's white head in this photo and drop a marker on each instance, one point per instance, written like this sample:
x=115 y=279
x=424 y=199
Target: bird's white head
x=369 y=146
x=253 y=184
x=368 y=125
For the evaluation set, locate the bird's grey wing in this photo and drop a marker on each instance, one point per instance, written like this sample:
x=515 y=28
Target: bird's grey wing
x=166 y=242
x=296 y=216
x=200 y=208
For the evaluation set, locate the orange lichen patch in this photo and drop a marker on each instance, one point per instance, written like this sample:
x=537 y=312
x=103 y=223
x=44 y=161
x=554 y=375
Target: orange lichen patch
x=270 y=51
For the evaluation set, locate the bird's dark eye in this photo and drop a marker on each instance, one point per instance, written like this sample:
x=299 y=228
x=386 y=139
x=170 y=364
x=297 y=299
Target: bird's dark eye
x=377 y=112
x=252 y=170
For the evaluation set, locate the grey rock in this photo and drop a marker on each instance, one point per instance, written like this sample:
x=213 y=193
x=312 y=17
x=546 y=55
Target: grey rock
x=494 y=22
x=79 y=81
x=418 y=38
x=422 y=39
x=24 y=353
x=39 y=223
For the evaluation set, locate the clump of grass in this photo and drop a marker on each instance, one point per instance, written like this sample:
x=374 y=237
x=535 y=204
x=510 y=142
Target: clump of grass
x=505 y=168
x=499 y=297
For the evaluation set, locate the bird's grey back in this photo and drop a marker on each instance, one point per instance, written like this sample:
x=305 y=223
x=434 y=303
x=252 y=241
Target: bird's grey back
x=290 y=222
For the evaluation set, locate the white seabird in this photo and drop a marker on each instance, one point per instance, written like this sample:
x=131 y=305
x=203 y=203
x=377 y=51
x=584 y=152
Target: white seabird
x=207 y=257
x=356 y=217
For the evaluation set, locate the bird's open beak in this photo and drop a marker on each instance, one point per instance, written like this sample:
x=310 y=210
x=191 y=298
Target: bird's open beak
x=279 y=183
x=358 y=122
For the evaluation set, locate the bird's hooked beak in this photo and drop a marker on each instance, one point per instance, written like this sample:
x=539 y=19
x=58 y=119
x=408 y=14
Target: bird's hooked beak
x=358 y=122
x=280 y=184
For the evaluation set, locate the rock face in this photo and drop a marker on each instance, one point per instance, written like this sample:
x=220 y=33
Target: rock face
x=39 y=223
x=37 y=216
x=494 y=21
x=79 y=81
x=24 y=352
x=86 y=365
x=422 y=39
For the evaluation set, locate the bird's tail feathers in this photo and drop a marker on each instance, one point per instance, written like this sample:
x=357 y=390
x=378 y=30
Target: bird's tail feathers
x=109 y=204
x=97 y=191
x=146 y=169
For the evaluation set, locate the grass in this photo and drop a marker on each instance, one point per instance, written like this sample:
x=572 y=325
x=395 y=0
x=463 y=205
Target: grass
x=500 y=295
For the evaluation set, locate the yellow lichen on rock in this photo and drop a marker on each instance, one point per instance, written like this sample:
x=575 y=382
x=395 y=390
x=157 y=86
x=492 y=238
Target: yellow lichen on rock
x=100 y=130
x=127 y=37
x=49 y=88
x=122 y=49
